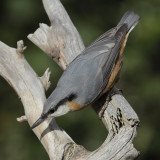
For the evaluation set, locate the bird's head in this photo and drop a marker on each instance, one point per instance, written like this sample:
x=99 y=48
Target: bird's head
x=54 y=109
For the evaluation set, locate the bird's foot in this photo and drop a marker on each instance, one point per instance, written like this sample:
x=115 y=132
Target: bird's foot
x=113 y=92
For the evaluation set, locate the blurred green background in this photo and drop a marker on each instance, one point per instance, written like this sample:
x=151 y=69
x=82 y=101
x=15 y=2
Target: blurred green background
x=140 y=78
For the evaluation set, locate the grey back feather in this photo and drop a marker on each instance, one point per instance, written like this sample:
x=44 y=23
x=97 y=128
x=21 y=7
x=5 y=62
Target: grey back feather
x=88 y=74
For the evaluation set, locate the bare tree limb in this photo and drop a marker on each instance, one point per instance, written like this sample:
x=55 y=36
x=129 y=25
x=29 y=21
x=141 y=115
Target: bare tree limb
x=62 y=42
x=18 y=73
x=22 y=119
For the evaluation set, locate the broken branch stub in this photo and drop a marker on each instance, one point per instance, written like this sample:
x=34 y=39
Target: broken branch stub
x=61 y=41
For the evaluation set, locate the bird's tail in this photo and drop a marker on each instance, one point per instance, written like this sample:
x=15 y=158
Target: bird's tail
x=131 y=19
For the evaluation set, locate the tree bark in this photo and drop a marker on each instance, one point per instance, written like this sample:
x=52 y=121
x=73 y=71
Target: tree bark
x=62 y=42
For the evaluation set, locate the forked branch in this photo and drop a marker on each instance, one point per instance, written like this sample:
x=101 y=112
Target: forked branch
x=62 y=42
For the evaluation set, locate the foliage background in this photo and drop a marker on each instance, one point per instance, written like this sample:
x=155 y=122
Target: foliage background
x=140 y=78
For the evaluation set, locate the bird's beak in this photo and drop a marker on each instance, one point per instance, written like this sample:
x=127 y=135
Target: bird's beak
x=38 y=122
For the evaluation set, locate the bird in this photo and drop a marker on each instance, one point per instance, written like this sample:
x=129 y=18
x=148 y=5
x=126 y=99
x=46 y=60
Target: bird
x=92 y=73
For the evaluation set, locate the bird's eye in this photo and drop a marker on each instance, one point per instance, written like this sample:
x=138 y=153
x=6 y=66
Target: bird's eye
x=52 y=110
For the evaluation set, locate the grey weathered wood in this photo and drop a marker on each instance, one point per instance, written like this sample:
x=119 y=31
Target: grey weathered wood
x=62 y=42
x=19 y=74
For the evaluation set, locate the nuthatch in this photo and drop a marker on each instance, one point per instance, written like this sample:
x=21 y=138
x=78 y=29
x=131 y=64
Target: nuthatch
x=92 y=73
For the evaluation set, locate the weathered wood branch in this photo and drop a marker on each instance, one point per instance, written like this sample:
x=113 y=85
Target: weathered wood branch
x=62 y=42
x=18 y=73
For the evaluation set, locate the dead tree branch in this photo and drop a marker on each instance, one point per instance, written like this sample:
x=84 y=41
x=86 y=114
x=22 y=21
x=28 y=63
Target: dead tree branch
x=62 y=42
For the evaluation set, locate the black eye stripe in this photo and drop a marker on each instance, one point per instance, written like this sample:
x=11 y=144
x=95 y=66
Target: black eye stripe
x=70 y=98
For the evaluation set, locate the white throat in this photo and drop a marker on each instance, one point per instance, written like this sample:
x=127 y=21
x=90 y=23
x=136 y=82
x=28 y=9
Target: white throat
x=62 y=109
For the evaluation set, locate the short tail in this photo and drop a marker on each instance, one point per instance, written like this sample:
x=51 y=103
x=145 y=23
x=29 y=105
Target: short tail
x=131 y=19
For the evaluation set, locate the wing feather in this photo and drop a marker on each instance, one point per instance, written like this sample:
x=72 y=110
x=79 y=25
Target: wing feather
x=109 y=45
x=95 y=65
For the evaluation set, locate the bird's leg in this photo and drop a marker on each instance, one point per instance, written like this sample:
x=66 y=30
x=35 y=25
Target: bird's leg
x=113 y=91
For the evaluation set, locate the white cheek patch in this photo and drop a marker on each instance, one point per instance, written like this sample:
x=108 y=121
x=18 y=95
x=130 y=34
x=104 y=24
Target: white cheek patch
x=63 y=109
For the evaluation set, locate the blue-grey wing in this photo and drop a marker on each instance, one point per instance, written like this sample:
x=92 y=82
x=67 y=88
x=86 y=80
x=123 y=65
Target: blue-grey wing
x=91 y=70
x=105 y=50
